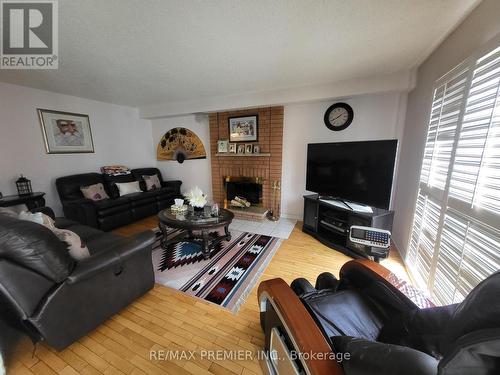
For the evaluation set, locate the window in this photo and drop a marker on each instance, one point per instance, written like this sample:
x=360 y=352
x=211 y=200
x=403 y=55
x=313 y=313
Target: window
x=455 y=237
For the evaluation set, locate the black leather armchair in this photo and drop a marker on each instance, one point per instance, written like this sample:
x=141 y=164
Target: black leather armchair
x=116 y=211
x=51 y=297
x=375 y=328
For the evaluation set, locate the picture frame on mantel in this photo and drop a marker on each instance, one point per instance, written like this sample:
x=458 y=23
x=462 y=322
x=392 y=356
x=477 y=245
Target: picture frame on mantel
x=243 y=129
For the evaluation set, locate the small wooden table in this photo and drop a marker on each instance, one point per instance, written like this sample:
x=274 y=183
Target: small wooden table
x=193 y=222
x=31 y=201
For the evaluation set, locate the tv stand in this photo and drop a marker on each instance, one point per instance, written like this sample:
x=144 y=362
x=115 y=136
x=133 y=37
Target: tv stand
x=329 y=222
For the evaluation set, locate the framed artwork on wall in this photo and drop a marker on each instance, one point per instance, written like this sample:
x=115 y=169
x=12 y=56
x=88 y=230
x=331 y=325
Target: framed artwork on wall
x=65 y=132
x=243 y=129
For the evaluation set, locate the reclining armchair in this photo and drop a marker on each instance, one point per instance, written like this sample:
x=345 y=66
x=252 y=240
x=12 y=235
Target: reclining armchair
x=370 y=322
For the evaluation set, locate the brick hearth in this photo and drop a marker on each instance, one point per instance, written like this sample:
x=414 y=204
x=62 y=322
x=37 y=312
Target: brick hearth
x=270 y=139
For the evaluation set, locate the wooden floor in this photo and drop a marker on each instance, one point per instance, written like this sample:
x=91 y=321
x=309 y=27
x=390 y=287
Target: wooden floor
x=166 y=319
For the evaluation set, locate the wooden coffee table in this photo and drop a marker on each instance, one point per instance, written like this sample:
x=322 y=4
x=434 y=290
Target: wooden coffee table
x=197 y=228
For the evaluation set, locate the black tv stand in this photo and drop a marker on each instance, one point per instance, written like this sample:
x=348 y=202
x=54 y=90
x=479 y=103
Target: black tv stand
x=330 y=224
x=337 y=199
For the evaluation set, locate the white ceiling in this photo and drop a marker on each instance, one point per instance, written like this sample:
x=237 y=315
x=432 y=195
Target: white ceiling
x=143 y=52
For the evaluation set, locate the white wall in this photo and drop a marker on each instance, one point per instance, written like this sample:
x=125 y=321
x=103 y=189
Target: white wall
x=120 y=137
x=478 y=28
x=378 y=116
x=196 y=172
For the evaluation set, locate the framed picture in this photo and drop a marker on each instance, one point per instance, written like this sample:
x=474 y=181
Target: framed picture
x=241 y=149
x=232 y=148
x=243 y=129
x=256 y=149
x=249 y=148
x=65 y=132
x=222 y=146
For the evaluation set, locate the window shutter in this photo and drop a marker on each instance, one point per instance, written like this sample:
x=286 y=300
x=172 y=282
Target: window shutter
x=451 y=106
x=454 y=243
x=479 y=144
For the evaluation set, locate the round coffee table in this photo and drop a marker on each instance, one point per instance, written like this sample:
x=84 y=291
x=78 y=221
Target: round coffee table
x=197 y=228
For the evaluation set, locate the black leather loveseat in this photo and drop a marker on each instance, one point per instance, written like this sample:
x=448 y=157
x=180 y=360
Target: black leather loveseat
x=116 y=211
x=51 y=297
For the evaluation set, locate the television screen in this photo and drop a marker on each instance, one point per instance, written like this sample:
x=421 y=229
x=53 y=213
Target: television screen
x=354 y=171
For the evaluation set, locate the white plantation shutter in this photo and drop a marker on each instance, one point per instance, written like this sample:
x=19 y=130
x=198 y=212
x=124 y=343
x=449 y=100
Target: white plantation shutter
x=455 y=240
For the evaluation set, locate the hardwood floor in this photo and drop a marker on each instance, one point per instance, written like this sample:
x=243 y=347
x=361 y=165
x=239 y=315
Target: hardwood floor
x=166 y=319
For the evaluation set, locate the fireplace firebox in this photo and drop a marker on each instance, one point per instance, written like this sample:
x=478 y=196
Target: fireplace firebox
x=249 y=188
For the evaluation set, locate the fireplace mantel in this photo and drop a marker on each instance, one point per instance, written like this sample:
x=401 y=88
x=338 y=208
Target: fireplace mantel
x=267 y=164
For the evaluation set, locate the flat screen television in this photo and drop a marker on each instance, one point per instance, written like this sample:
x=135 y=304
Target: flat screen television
x=360 y=172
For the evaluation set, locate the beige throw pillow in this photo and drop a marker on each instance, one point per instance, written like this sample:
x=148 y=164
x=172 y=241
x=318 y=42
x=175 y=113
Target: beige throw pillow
x=152 y=182
x=128 y=188
x=94 y=192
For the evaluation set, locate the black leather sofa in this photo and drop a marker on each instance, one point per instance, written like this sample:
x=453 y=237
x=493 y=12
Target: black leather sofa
x=116 y=211
x=374 y=328
x=49 y=296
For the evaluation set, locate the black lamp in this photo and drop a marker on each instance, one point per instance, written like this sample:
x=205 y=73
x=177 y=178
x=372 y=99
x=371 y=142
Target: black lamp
x=23 y=186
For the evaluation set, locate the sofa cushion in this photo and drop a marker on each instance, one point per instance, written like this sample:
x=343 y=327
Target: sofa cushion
x=35 y=247
x=142 y=198
x=344 y=313
x=111 y=206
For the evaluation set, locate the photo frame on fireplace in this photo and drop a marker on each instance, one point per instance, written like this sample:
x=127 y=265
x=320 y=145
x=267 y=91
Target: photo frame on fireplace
x=243 y=129
x=222 y=146
x=249 y=148
x=232 y=148
x=241 y=149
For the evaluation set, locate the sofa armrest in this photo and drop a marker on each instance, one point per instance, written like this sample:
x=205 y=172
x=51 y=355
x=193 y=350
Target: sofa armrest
x=173 y=184
x=112 y=258
x=82 y=211
x=299 y=325
x=370 y=357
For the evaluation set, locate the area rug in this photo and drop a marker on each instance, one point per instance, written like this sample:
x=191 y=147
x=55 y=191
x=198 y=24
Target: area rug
x=227 y=278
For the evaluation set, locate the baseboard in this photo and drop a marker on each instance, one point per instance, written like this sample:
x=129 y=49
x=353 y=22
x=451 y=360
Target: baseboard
x=291 y=216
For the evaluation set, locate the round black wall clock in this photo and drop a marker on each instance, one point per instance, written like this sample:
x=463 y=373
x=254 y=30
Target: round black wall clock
x=338 y=116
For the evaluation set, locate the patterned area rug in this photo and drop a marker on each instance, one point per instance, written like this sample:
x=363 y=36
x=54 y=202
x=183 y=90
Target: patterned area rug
x=226 y=278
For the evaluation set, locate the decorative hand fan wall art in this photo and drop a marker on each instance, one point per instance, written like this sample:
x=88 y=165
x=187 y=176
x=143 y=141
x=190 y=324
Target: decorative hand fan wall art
x=180 y=144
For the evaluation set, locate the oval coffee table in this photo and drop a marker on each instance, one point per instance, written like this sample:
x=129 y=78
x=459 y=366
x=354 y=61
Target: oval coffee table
x=197 y=228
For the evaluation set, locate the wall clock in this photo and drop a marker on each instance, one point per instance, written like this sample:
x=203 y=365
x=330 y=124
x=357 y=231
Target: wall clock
x=338 y=116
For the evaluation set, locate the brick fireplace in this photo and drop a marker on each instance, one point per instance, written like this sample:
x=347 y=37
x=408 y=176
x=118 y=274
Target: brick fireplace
x=265 y=168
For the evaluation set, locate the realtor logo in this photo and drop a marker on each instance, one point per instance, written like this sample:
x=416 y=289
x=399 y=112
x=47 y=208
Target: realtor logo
x=29 y=34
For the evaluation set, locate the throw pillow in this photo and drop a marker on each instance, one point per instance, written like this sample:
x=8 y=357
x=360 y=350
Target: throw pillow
x=76 y=248
x=94 y=192
x=125 y=188
x=152 y=182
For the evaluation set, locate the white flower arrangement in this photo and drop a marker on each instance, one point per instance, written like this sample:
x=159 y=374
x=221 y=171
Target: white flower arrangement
x=196 y=197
